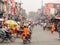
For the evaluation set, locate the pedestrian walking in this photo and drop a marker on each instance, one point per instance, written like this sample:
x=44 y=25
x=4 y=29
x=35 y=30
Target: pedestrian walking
x=44 y=26
x=52 y=28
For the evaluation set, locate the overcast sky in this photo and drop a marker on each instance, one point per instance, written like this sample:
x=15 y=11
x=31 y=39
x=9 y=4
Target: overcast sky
x=33 y=5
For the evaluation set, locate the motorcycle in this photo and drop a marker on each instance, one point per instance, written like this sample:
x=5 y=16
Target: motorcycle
x=6 y=37
x=26 y=39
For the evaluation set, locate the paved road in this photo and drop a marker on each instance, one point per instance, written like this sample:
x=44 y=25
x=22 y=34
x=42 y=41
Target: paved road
x=39 y=37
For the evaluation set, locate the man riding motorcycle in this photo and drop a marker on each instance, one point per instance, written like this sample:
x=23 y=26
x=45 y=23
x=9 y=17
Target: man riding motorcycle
x=6 y=34
x=26 y=35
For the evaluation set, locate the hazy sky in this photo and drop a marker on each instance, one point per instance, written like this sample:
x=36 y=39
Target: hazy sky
x=33 y=5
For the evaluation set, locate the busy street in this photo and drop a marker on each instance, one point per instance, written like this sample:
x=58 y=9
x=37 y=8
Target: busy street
x=29 y=22
x=39 y=37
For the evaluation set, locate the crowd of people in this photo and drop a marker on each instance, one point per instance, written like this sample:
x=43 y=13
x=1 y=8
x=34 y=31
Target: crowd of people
x=52 y=25
x=21 y=30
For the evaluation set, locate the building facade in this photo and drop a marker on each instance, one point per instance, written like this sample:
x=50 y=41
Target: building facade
x=51 y=8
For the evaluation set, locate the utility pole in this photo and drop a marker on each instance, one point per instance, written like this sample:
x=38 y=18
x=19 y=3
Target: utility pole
x=42 y=7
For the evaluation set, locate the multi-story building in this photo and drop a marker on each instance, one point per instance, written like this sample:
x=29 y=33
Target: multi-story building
x=2 y=3
x=19 y=9
x=51 y=8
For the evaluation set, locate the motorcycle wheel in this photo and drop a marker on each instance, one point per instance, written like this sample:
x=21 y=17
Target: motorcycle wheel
x=1 y=40
x=24 y=41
